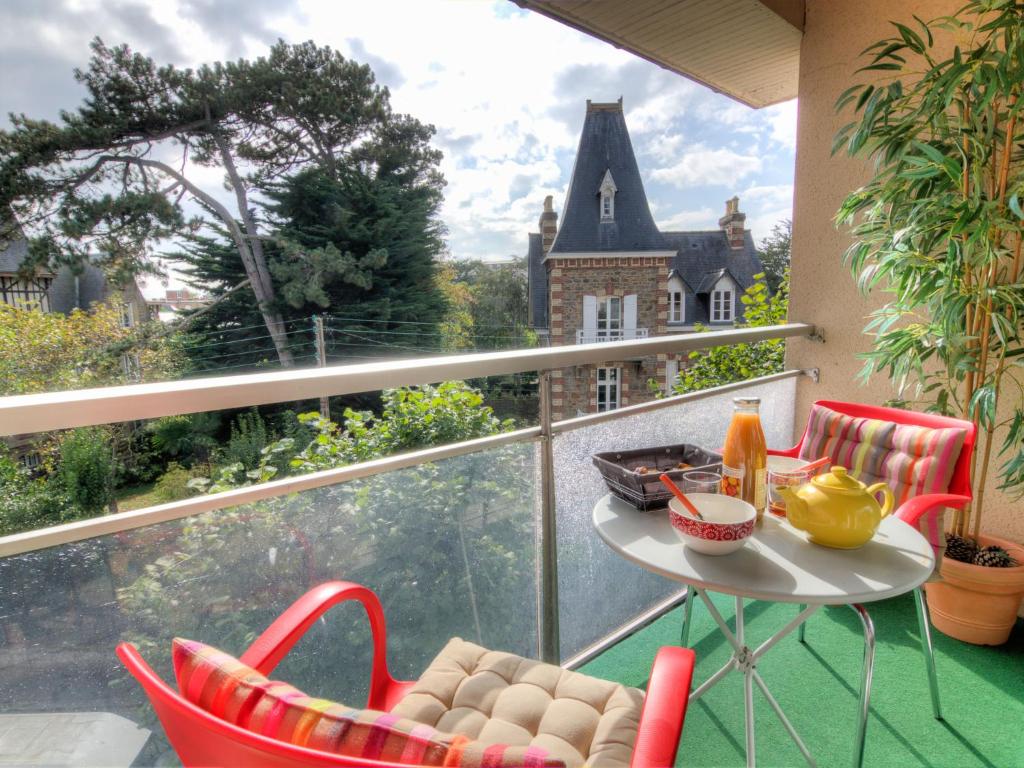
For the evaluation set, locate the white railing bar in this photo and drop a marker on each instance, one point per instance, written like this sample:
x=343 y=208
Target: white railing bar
x=27 y=414
x=568 y=425
x=29 y=541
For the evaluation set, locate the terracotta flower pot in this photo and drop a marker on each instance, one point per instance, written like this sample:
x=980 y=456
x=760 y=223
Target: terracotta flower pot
x=975 y=603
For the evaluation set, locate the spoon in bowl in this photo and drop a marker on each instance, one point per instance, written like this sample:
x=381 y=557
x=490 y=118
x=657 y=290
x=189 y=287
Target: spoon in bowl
x=667 y=481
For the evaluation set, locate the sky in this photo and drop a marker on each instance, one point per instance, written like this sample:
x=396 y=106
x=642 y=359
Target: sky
x=505 y=88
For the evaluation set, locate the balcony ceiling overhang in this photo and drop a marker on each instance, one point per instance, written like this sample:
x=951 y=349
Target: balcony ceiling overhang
x=746 y=49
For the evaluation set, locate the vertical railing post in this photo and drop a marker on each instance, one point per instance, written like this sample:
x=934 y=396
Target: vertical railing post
x=321 y=360
x=548 y=606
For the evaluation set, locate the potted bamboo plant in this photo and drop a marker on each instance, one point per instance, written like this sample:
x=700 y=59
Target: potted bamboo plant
x=940 y=229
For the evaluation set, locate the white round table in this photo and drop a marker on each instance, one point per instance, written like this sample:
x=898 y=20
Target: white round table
x=779 y=564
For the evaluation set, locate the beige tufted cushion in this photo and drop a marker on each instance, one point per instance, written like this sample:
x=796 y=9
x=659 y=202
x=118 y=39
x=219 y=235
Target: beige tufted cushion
x=500 y=698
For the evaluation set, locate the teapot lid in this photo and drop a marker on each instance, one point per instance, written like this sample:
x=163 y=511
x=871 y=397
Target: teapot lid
x=838 y=480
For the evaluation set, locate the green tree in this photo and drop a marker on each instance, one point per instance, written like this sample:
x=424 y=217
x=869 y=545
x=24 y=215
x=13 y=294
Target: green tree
x=360 y=246
x=85 y=468
x=48 y=351
x=737 y=362
x=498 y=302
x=28 y=502
x=111 y=176
x=774 y=252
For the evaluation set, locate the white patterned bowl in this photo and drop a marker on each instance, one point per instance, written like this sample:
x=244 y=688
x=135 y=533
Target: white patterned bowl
x=727 y=524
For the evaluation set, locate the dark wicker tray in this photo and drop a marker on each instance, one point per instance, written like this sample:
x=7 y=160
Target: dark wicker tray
x=645 y=491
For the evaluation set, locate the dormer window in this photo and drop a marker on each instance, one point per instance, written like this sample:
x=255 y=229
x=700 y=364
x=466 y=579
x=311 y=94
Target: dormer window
x=607 y=192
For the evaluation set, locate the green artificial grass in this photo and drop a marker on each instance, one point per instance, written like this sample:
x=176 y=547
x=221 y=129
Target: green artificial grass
x=817 y=685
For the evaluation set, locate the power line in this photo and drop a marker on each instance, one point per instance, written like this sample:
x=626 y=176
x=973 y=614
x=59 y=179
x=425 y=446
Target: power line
x=249 y=352
x=245 y=340
x=420 y=333
x=400 y=322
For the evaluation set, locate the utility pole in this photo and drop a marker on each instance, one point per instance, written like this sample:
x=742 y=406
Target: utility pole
x=321 y=358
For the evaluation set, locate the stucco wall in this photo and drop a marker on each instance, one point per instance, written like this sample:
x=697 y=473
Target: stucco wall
x=823 y=291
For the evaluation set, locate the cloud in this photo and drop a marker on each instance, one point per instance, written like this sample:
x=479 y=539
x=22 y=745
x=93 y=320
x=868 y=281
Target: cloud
x=782 y=119
x=703 y=218
x=768 y=195
x=708 y=167
x=386 y=72
x=42 y=41
x=508 y=121
x=235 y=22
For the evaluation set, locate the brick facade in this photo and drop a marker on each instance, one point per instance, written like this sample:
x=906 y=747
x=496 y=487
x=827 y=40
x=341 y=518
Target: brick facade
x=574 y=390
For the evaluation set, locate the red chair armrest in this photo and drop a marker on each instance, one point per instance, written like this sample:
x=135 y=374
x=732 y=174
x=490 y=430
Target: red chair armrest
x=793 y=452
x=270 y=647
x=912 y=510
x=661 y=720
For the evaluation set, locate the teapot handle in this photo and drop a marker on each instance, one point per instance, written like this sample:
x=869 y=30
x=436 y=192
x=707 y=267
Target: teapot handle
x=890 y=500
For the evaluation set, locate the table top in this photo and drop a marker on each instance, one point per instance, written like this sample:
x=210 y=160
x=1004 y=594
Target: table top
x=777 y=562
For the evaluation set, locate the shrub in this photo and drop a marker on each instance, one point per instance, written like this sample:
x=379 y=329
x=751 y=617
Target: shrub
x=173 y=484
x=186 y=439
x=85 y=469
x=27 y=503
x=249 y=436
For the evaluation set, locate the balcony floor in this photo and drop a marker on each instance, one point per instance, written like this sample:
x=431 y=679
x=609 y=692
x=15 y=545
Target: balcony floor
x=982 y=690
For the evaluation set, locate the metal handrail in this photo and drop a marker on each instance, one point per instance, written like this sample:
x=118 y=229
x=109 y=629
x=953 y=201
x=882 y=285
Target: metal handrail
x=26 y=414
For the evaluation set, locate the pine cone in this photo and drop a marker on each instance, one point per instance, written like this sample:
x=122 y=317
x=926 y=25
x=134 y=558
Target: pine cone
x=961 y=549
x=994 y=557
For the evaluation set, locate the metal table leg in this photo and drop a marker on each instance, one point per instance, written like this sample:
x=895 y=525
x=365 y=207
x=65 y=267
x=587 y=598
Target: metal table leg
x=865 y=684
x=926 y=646
x=748 y=686
x=744 y=659
x=684 y=635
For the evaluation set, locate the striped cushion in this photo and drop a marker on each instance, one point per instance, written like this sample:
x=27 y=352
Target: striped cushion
x=911 y=460
x=234 y=692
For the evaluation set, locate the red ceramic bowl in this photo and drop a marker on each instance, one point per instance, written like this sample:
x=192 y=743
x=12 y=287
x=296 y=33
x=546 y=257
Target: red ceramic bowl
x=727 y=524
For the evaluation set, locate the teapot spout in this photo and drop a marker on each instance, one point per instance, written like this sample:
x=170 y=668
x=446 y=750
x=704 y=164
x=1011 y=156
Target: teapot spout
x=796 y=508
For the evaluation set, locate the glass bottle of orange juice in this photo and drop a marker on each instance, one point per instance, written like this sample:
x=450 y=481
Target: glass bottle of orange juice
x=745 y=456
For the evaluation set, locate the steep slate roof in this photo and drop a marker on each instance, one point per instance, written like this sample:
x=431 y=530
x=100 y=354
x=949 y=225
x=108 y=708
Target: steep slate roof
x=13 y=245
x=537 y=276
x=605 y=146
x=703 y=257
x=12 y=253
x=92 y=288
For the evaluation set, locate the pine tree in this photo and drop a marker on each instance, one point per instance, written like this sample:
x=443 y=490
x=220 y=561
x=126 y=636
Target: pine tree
x=359 y=249
x=111 y=176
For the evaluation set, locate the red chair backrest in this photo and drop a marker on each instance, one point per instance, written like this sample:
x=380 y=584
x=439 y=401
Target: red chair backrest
x=200 y=739
x=960 y=482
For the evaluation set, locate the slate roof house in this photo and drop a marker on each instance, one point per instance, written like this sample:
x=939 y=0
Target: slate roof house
x=63 y=290
x=608 y=273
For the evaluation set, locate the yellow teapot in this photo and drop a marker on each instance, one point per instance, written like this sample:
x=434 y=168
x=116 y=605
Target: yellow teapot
x=837 y=510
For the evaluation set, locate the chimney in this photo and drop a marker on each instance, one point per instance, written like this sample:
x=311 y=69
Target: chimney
x=548 y=226
x=732 y=223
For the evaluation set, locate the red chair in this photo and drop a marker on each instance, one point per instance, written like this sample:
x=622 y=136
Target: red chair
x=957 y=495
x=200 y=739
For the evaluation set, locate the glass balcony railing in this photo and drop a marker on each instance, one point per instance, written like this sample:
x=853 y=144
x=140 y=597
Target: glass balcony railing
x=489 y=540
